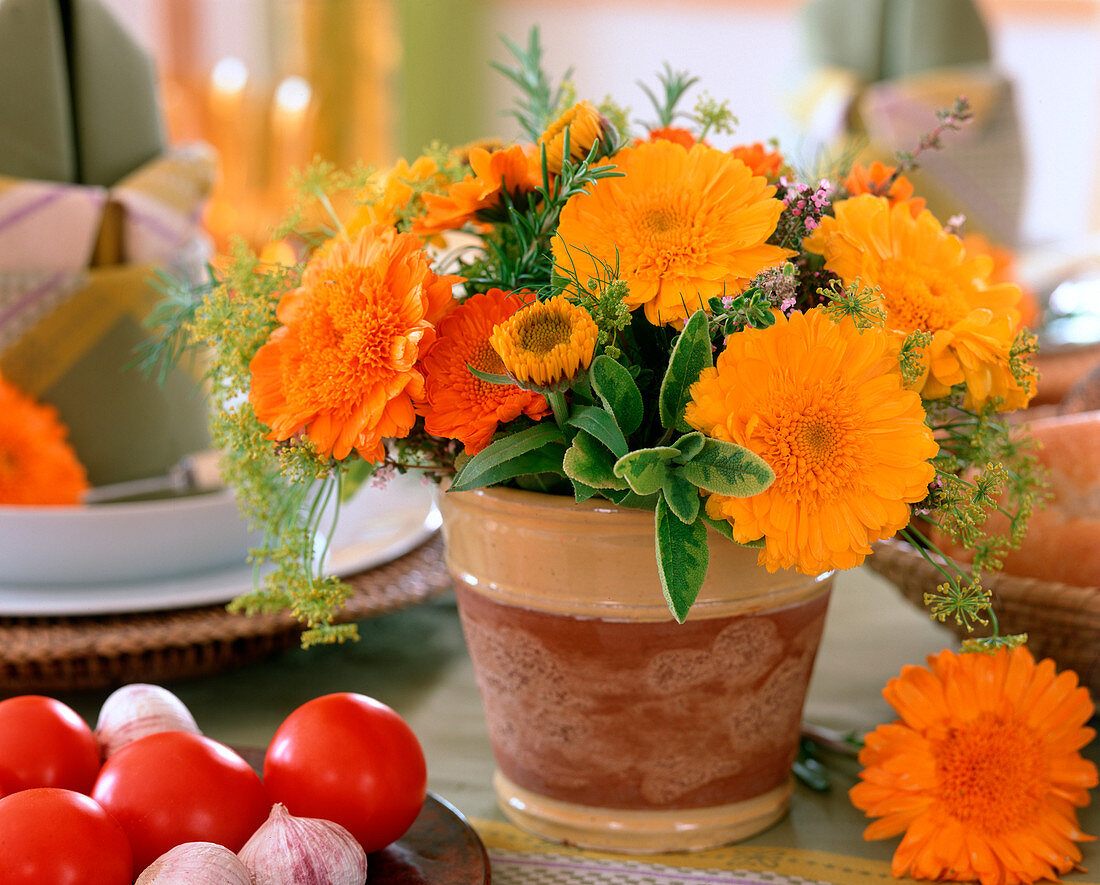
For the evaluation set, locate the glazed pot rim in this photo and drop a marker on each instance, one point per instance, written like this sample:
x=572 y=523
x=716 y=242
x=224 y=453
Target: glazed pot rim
x=504 y=498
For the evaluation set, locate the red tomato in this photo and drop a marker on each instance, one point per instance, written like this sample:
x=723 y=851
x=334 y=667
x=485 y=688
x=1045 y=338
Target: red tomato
x=175 y=787
x=44 y=743
x=349 y=759
x=63 y=838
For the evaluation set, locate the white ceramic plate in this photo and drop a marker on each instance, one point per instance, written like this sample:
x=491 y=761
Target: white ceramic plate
x=375 y=527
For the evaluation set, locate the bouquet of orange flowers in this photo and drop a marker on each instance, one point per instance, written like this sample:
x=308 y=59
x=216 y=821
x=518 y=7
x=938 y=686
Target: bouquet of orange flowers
x=799 y=362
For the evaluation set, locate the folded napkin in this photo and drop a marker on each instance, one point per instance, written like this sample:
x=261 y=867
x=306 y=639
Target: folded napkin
x=68 y=330
x=883 y=39
x=91 y=206
x=77 y=95
x=882 y=68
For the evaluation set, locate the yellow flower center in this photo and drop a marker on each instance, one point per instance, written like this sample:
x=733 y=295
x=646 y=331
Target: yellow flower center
x=542 y=332
x=660 y=220
x=817 y=439
x=991 y=774
x=920 y=297
x=486 y=360
x=814 y=442
x=664 y=231
x=546 y=343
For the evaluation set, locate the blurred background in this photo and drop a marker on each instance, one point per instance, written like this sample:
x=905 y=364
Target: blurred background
x=272 y=82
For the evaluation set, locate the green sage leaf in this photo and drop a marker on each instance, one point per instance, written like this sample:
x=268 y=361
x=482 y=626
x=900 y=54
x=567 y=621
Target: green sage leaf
x=589 y=462
x=726 y=468
x=644 y=470
x=690 y=444
x=682 y=559
x=601 y=425
x=627 y=498
x=690 y=356
x=681 y=496
x=618 y=392
x=581 y=492
x=493 y=464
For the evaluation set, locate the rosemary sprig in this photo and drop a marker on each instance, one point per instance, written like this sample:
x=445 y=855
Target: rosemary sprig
x=538 y=101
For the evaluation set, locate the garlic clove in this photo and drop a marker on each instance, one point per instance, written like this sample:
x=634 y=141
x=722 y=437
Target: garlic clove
x=288 y=850
x=137 y=710
x=196 y=863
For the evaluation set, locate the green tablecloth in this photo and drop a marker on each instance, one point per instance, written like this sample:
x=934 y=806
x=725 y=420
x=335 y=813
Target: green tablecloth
x=416 y=661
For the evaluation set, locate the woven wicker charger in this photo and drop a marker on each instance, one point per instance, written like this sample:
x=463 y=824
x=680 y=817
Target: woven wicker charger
x=74 y=653
x=1061 y=621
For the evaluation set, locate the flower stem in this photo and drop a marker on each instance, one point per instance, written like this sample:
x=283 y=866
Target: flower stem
x=557 y=403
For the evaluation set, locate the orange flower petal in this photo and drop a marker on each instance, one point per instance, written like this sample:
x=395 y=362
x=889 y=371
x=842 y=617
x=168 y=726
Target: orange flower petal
x=342 y=366
x=999 y=793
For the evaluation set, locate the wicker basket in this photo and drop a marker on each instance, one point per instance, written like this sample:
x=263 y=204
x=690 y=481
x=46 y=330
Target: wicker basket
x=46 y=654
x=1062 y=622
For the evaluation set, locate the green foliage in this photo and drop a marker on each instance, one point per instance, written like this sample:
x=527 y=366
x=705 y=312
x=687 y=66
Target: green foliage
x=948 y=120
x=602 y=426
x=861 y=304
x=605 y=300
x=673 y=86
x=912 y=358
x=682 y=559
x=681 y=496
x=644 y=469
x=965 y=603
x=691 y=354
x=713 y=116
x=754 y=307
x=618 y=392
x=526 y=451
x=690 y=444
x=539 y=102
x=591 y=463
x=170 y=322
x=519 y=253
x=726 y=468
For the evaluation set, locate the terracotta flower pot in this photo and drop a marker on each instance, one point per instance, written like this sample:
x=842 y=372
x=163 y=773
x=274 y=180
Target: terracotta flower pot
x=613 y=726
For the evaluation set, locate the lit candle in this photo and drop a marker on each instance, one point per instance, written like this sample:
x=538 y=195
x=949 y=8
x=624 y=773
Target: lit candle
x=291 y=130
x=228 y=81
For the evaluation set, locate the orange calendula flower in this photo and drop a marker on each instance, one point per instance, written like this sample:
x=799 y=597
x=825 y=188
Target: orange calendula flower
x=1004 y=271
x=676 y=134
x=681 y=226
x=38 y=467
x=760 y=159
x=823 y=403
x=983 y=770
x=342 y=366
x=872 y=180
x=928 y=283
x=460 y=405
x=586 y=126
x=478 y=197
x=397 y=192
x=547 y=343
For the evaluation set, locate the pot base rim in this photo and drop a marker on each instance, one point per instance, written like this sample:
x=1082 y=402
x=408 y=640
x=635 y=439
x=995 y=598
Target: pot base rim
x=640 y=831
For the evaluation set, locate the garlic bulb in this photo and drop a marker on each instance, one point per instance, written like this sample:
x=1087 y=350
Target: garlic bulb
x=288 y=850
x=196 y=863
x=136 y=710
